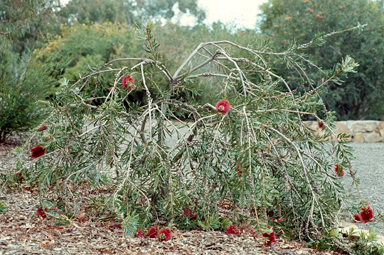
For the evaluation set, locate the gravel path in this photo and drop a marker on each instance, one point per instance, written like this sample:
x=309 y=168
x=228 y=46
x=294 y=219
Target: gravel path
x=369 y=164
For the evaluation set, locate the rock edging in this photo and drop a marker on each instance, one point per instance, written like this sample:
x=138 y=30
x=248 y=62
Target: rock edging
x=369 y=131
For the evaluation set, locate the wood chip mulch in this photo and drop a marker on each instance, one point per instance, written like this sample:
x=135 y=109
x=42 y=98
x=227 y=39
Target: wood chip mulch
x=22 y=232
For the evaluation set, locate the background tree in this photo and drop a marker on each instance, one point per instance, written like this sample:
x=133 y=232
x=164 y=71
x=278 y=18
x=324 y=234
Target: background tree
x=88 y=46
x=26 y=22
x=128 y=11
x=25 y=83
x=17 y=16
x=291 y=22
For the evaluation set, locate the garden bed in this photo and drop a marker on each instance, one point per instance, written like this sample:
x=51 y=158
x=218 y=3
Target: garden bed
x=22 y=232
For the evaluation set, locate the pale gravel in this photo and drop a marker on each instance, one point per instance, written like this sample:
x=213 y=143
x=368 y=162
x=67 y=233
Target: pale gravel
x=369 y=164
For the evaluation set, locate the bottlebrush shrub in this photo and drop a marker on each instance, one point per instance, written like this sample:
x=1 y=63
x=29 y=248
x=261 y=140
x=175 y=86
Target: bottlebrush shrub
x=162 y=165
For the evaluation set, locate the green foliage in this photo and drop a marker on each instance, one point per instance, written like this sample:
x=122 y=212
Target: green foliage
x=24 y=84
x=211 y=222
x=85 y=43
x=367 y=243
x=83 y=66
x=61 y=220
x=130 y=12
x=130 y=224
x=359 y=243
x=17 y=16
x=290 y=23
x=27 y=23
x=107 y=39
x=3 y=207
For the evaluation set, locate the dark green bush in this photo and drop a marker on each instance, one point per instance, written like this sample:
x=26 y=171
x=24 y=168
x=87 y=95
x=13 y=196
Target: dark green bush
x=24 y=85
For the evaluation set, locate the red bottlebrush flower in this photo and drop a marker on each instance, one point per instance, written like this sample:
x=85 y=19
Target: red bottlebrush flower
x=140 y=233
x=357 y=217
x=233 y=230
x=269 y=238
x=187 y=212
x=38 y=151
x=42 y=128
x=320 y=124
x=129 y=79
x=41 y=212
x=339 y=170
x=366 y=214
x=164 y=234
x=19 y=177
x=152 y=232
x=223 y=106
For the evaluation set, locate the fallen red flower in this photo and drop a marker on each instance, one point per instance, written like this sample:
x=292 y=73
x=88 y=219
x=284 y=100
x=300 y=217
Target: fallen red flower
x=127 y=79
x=152 y=232
x=41 y=212
x=223 y=106
x=164 y=234
x=38 y=151
x=357 y=217
x=42 y=128
x=233 y=230
x=140 y=233
x=320 y=124
x=269 y=238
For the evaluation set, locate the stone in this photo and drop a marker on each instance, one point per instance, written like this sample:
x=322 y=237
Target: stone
x=349 y=124
x=358 y=138
x=341 y=127
x=364 y=126
x=372 y=137
x=380 y=128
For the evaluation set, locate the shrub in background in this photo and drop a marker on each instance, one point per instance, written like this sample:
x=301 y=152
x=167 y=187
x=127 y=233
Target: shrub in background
x=24 y=84
x=251 y=154
x=89 y=45
x=289 y=23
